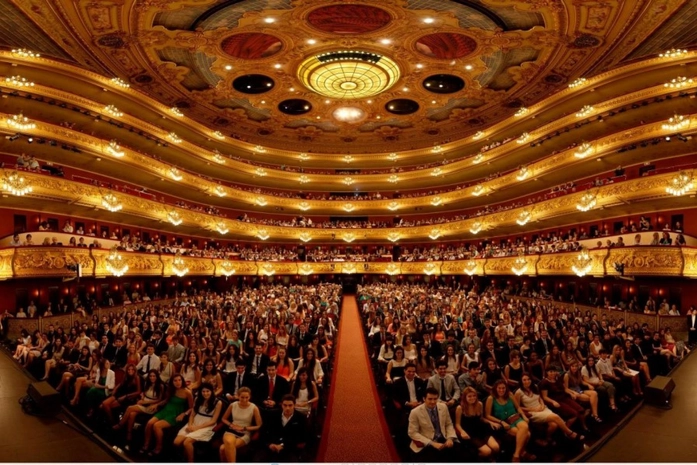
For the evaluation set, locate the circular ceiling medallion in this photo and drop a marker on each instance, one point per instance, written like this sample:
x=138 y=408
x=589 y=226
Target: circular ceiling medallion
x=348 y=74
x=251 y=45
x=253 y=84
x=349 y=19
x=446 y=45
x=443 y=83
x=402 y=106
x=295 y=106
x=349 y=114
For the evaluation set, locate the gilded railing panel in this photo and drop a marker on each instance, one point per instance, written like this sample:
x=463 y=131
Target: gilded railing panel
x=32 y=262
x=652 y=261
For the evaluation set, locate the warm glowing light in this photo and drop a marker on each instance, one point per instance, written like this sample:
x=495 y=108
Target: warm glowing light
x=348 y=158
x=172 y=136
x=349 y=207
x=111 y=203
x=524 y=217
x=393 y=237
x=115 y=263
x=267 y=269
x=673 y=53
x=430 y=269
x=392 y=157
x=20 y=122
x=478 y=159
x=259 y=149
x=305 y=237
x=218 y=158
x=261 y=201
x=269 y=20
x=218 y=135
x=24 y=53
x=437 y=172
x=587 y=202
x=113 y=111
x=434 y=234
x=221 y=227
x=478 y=190
x=18 y=81
x=392 y=206
x=175 y=174
x=582 y=264
x=392 y=269
x=304 y=206
x=478 y=135
x=220 y=191
x=15 y=184
x=305 y=269
x=583 y=150
x=348 y=114
x=179 y=265
x=520 y=265
x=476 y=227
x=471 y=267
x=174 y=218
x=120 y=82
x=524 y=137
x=303 y=179
x=585 y=111
x=303 y=157
x=114 y=149
x=578 y=83
x=523 y=173
x=348 y=268
x=261 y=172
x=679 y=82
x=263 y=234
x=393 y=179
x=227 y=268
x=435 y=201
x=348 y=180
x=680 y=184
x=176 y=112
x=521 y=111
x=437 y=149
x=349 y=237
x=676 y=123
x=429 y=20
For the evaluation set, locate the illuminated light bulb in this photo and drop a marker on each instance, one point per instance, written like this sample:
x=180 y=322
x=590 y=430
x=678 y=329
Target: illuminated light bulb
x=582 y=264
x=434 y=234
x=680 y=184
x=261 y=201
x=304 y=206
x=435 y=201
x=115 y=263
x=436 y=172
x=18 y=81
x=471 y=267
x=392 y=157
x=259 y=149
x=524 y=217
x=393 y=237
x=172 y=136
x=478 y=135
x=111 y=203
x=583 y=150
x=176 y=112
x=20 y=122
x=261 y=172
x=520 y=265
x=114 y=149
x=392 y=206
x=578 y=83
x=303 y=179
x=218 y=135
x=120 y=82
x=113 y=111
x=523 y=173
x=586 y=202
x=349 y=207
x=305 y=237
x=393 y=179
x=476 y=227
x=478 y=159
x=348 y=180
x=24 y=53
x=220 y=191
x=221 y=228
x=263 y=234
x=175 y=174
x=16 y=184
x=679 y=82
x=524 y=137
x=676 y=123
x=349 y=237
x=437 y=149
x=673 y=53
x=585 y=111
x=521 y=111
x=174 y=218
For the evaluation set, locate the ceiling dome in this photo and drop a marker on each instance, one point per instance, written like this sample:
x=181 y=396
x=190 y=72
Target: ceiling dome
x=348 y=74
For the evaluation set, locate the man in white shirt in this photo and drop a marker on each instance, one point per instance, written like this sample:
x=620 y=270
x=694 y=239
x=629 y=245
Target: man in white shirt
x=431 y=430
x=604 y=367
x=149 y=362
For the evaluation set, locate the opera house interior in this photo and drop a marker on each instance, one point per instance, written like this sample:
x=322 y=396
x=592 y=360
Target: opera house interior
x=348 y=230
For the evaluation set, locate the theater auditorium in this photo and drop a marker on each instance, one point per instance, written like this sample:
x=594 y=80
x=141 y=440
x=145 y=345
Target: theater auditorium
x=282 y=231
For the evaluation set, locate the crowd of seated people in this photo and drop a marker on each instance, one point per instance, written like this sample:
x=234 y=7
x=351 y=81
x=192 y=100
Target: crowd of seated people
x=489 y=366
x=221 y=368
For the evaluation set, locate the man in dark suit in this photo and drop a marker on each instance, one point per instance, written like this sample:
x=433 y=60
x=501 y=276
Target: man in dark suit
x=160 y=342
x=270 y=390
x=119 y=355
x=303 y=335
x=692 y=325
x=377 y=340
x=487 y=353
x=284 y=434
x=435 y=350
x=239 y=379
x=105 y=348
x=409 y=390
x=257 y=363
x=543 y=345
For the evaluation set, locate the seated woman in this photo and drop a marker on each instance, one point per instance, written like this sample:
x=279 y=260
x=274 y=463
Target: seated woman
x=471 y=426
x=633 y=363
x=395 y=369
x=23 y=342
x=580 y=391
x=241 y=418
x=503 y=409
x=53 y=358
x=513 y=372
x=490 y=374
x=211 y=376
x=535 y=368
x=470 y=356
x=228 y=359
x=425 y=365
x=191 y=372
x=179 y=405
x=623 y=371
x=167 y=369
x=153 y=397
x=534 y=407
x=305 y=392
x=202 y=421
x=75 y=370
x=124 y=395
x=554 y=359
x=591 y=377
x=452 y=359
x=101 y=387
x=284 y=365
x=314 y=368
x=554 y=394
x=88 y=380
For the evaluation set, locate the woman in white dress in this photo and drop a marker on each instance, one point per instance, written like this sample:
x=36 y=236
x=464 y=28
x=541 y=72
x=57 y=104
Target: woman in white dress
x=534 y=407
x=241 y=418
x=202 y=420
x=305 y=392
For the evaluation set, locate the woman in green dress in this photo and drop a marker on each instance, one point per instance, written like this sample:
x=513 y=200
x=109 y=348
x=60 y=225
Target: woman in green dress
x=101 y=387
x=503 y=411
x=179 y=405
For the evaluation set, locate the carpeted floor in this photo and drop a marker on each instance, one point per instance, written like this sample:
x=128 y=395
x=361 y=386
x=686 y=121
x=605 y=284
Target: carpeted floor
x=355 y=429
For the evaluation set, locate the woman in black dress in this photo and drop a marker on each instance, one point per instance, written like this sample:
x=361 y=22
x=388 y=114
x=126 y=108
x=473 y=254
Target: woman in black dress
x=472 y=428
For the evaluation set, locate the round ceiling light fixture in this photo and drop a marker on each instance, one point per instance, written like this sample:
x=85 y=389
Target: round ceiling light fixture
x=348 y=74
x=402 y=106
x=349 y=114
x=295 y=106
x=253 y=84
x=444 y=83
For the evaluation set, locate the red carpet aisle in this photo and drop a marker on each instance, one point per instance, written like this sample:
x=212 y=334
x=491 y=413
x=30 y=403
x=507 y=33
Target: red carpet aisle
x=355 y=429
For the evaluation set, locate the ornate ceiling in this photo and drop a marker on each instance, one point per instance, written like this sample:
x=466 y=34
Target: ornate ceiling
x=348 y=77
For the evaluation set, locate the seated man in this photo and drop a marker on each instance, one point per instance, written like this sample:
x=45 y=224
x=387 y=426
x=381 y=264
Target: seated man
x=284 y=434
x=270 y=390
x=237 y=380
x=409 y=389
x=431 y=430
x=473 y=379
x=445 y=385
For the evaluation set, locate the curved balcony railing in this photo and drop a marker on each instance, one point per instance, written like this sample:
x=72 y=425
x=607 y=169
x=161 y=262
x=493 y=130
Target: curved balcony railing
x=38 y=262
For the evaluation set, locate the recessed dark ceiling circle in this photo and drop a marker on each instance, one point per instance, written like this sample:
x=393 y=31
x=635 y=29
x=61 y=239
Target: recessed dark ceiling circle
x=444 y=83
x=349 y=19
x=253 y=84
x=402 y=106
x=295 y=106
